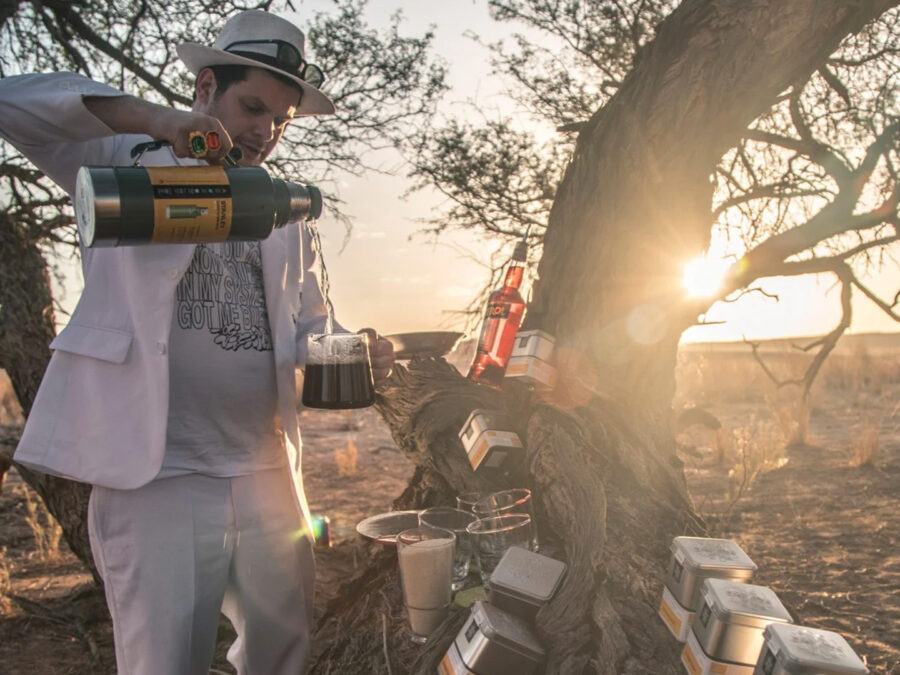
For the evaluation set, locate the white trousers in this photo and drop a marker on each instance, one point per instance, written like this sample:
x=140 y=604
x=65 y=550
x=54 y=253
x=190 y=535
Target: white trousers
x=177 y=551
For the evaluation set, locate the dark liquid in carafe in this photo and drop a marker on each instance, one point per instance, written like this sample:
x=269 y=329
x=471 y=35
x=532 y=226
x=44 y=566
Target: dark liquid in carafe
x=338 y=385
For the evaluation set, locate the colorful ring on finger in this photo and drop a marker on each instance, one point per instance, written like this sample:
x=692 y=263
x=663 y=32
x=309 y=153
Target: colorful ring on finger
x=197 y=144
x=212 y=140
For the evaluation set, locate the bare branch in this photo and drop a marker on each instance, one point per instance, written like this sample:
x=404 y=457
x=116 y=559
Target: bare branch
x=754 y=346
x=64 y=11
x=884 y=306
x=768 y=258
x=747 y=291
x=819 y=153
x=835 y=83
x=826 y=344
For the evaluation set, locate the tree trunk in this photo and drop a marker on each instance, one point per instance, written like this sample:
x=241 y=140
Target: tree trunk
x=26 y=330
x=633 y=208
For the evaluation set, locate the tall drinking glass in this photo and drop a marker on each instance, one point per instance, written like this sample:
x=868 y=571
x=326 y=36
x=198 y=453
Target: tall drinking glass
x=491 y=537
x=517 y=500
x=425 y=555
x=455 y=520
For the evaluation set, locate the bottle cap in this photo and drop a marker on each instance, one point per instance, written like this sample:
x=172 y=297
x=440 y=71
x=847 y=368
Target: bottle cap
x=521 y=251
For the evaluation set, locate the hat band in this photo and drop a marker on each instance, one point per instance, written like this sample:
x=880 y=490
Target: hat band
x=268 y=60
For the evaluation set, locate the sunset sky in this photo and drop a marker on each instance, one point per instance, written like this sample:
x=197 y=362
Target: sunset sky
x=390 y=278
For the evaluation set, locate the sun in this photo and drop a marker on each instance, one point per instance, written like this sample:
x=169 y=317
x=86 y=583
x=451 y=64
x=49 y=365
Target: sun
x=703 y=276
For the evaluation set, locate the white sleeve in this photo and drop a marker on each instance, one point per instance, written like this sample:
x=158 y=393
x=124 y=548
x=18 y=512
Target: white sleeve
x=313 y=314
x=44 y=117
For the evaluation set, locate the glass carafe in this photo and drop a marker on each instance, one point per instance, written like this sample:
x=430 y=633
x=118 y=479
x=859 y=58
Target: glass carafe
x=338 y=372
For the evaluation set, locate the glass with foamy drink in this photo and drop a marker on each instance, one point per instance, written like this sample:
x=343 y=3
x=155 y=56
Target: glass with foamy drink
x=425 y=555
x=338 y=372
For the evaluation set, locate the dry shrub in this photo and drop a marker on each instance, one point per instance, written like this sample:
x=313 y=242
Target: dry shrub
x=866 y=447
x=5 y=583
x=752 y=450
x=790 y=412
x=47 y=532
x=346 y=460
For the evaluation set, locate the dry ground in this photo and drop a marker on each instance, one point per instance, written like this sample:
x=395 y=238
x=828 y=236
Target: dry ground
x=820 y=519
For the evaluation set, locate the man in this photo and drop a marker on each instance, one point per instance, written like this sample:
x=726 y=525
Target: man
x=171 y=390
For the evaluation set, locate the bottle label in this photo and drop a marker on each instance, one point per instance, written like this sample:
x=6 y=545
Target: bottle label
x=190 y=204
x=498 y=310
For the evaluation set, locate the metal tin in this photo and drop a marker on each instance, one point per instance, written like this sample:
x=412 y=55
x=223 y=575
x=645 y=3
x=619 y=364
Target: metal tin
x=488 y=439
x=493 y=642
x=531 y=370
x=730 y=622
x=479 y=421
x=452 y=663
x=534 y=343
x=791 y=649
x=696 y=662
x=524 y=581
x=677 y=618
x=697 y=558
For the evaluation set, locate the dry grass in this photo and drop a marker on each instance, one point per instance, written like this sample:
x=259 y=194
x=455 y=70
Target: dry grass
x=860 y=371
x=866 y=447
x=5 y=583
x=47 y=532
x=347 y=459
x=10 y=410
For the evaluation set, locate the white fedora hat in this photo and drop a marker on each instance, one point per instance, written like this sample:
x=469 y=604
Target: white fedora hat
x=262 y=40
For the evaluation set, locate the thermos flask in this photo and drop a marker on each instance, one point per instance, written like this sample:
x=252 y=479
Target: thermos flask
x=130 y=205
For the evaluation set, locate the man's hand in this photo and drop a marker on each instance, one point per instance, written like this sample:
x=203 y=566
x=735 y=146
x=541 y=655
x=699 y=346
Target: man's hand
x=176 y=126
x=130 y=115
x=381 y=352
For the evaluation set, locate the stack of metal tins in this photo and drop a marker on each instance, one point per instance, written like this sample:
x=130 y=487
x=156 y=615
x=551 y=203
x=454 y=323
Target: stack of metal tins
x=796 y=650
x=695 y=559
x=493 y=642
x=727 y=633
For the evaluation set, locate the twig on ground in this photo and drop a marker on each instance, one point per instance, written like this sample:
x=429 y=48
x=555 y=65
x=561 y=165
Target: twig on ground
x=387 y=658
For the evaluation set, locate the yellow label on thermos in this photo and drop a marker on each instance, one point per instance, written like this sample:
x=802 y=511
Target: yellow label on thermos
x=190 y=204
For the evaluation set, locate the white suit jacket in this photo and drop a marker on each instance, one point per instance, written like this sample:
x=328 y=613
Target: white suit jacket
x=100 y=414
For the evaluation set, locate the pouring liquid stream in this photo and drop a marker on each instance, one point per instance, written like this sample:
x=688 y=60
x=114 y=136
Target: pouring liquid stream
x=323 y=273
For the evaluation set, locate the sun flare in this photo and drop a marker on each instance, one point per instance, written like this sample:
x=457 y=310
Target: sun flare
x=703 y=276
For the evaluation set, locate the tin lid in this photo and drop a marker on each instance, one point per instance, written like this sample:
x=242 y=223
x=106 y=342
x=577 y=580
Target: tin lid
x=524 y=335
x=819 y=651
x=746 y=604
x=490 y=419
x=701 y=553
x=507 y=630
x=529 y=576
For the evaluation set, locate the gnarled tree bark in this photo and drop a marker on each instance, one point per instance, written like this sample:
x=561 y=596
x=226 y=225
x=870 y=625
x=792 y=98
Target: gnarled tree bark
x=26 y=330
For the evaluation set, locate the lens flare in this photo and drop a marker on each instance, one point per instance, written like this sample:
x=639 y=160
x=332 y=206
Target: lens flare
x=703 y=276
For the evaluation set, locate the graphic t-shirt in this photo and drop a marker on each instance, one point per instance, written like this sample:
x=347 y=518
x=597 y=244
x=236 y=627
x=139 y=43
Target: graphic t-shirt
x=223 y=417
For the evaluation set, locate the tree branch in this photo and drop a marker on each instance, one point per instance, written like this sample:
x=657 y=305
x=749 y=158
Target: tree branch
x=818 y=152
x=64 y=11
x=826 y=344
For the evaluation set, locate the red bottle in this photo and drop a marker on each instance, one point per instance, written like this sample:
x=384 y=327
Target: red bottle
x=505 y=308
